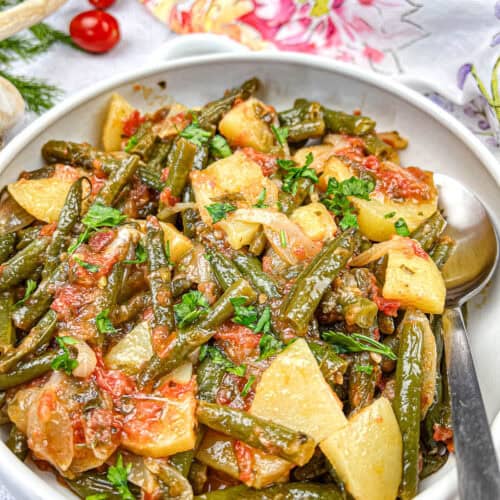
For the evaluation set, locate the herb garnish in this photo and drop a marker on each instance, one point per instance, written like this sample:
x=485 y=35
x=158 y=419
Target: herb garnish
x=193 y=305
x=140 y=255
x=269 y=345
x=294 y=173
x=64 y=362
x=248 y=316
x=389 y=215
x=219 y=147
x=261 y=199
x=118 y=476
x=86 y=265
x=401 y=227
x=248 y=386
x=368 y=369
x=281 y=134
x=131 y=143
x=219 y=359
x=30 y=288
x=195 y=134
x=356 y=342
x=219 y=211
x=103 y=323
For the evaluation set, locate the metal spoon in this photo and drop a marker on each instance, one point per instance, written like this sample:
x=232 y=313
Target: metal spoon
x=466 y=273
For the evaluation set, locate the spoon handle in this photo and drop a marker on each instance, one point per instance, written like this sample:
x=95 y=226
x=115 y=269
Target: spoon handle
x=478 y=473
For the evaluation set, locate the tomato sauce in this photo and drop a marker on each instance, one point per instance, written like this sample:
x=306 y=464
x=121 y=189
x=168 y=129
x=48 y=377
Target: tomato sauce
x=131 y=124
x=266 y=162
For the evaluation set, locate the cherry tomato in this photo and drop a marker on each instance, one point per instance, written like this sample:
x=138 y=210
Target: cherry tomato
x=95 y=31
x=102 y=4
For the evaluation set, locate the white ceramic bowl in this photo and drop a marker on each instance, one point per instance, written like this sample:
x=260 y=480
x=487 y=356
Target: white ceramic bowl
x=437 y=142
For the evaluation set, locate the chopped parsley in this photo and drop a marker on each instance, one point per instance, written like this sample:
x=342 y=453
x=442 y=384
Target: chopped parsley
x=219 y=359
x=103 y=323
x=219 y=211
x=131 y=143
x=261 y=199
x=86 y=265
x=192 y=306
x=389 y=215
x=140 y=255
x=30 y=288
x=248 y=316
x=219 y=147
x=283 y=238
x=337 y=202
x=368 y=369
x=64 y=361
x=118 y=476
x=281 y=134
x=401 y=227
x=294 y=173
x=248 y=386
x=97 y=496
x=269 y=345
x=356 y=342
x=195 y=134
x=264 y=323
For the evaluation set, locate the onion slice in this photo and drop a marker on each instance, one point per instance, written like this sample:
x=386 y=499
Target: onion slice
x=86 y=360
x=375 y=252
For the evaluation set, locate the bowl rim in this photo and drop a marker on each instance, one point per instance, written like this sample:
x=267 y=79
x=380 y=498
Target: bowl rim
x=15 y=474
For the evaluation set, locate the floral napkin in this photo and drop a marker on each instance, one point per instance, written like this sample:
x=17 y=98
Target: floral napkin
x=451 y=50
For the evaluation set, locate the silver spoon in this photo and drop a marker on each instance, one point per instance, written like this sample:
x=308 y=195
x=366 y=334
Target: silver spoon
x=466 y=273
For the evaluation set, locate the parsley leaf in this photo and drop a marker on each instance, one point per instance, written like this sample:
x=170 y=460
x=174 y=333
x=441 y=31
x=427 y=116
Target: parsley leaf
x=102 y=216
x=140 y=255
x=103 y=323
x=219 y=147
x=195 y=134
x=269 y=345
x=64 y=362
x=261 y=199
x=97 y=496
x=86 y=265
x=30 y=288
x=131 y=143
x=283 y=238
x=219 y=211
x=356 y=343
x=389 y=215
x=193 y=305
x=219 y=359
x=368 y=369
x=401 y=227
x=248 y=386
x=337 y=202
x=203 y=352
x=281 y=134
x=118 y=476
x=293 y=173
x=248 y=316
x=264 y=323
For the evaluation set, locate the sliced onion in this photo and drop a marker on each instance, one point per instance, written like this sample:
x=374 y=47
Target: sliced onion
x=167 y=211
x=298 y=245
x=12 y=216
x=86 y=360
x=380 y=249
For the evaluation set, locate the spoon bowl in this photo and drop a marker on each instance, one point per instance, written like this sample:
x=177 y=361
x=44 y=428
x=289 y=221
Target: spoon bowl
x=466 y=273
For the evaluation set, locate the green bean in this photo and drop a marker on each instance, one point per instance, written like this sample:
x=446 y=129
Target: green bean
x=303 y=122
x=332 y=366
x=386 y=323
x=442 y=251
x=26 y=236
x=200 y=160
x=198 y=476
x=40 y=173
x=362 y=383
x=358 y=311
x=79 y=154
x=312 y=284
x=407 y=398
x=117 y=181
x=285 y=491
x=7 y=331
x=26 y=314
x=27 y=371
x=23 y=263
x=130 y=309
x=159 y=277
x=265 y=435
x=212 y=112
x=191 y=216
x=376 y=146
x=251 y=268
x=317 y=466
x=209 y=378
x=68 y=217
x=258 y=244
x=182 y=461
x=150 y=178
x=288 y=202
x=179 y=163
x=184 y=342
x=429 y=231
x=144 y=141
x=180 y=286
x=93 y=483
x=39 y=335
x=17 y=443
x=388 y=364
x=225 y=271
x=158 y=159
x=7 y=244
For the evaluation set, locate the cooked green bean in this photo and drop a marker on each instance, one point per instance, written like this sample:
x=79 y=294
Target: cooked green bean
x=26 y=236
x=289 y=202
x=144 y=142
x=251 y=268
x=442 y=251
x=258 y=244
x=184 y=342
x=23 y=263
x=362 y=382
x=27 y=371
x=130 y=309
x=310 y=287
x=376 y=146
x=225 y=271
x=182 y=461
x=257 y=432
x=407 y=398
x=209 y=377
x=17 y=442
x=40 y=335
x=179 y=162
x=303 y=122
x=7 y=331
x=7 y=245
x=429 y=231
x=93 y=483
x=191 y=216
x=332 y=366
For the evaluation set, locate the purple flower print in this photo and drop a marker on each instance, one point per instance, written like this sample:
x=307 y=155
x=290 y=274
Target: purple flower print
x=462 y=74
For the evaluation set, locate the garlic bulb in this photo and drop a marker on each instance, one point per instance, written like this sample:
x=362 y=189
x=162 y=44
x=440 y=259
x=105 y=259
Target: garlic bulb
x=11 y=105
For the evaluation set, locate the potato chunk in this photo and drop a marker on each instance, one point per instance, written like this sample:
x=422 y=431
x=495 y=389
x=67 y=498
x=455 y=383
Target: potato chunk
x=367 y=453
x=118 y=111
x=178 y=243
x=292 y=392
x=414 y=281
x=238 y=180
x=321 y=154
x=315 y=220
x=373 y=214
x=244 y=126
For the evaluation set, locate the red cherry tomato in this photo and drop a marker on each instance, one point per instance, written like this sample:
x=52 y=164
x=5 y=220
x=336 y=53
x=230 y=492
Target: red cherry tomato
x=102 y=4
x=95 y=31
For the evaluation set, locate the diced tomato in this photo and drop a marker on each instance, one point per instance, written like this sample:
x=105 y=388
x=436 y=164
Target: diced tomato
x=418 y=250
x=164 y=174
x=131 y=124
x=238 y=341
x=174 y=390
x=167 y=198
x=266 y=162
x=101 y=239
x=69 y=299
x=115 y=382
x=102 y=427
x=48 y=229
x=445 y=435
x=97 y=182
x=245 y=458
x=387 y=306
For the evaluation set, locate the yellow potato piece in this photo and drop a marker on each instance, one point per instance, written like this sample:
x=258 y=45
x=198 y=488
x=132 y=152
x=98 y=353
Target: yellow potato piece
x=292 y=392
x=42 y=198
x=118 y=111
x=179 y=244
x=372 y=213
x=315 y=220
x=367 y=453
x=415 y=282
x=321 y=154
x=244 y=126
